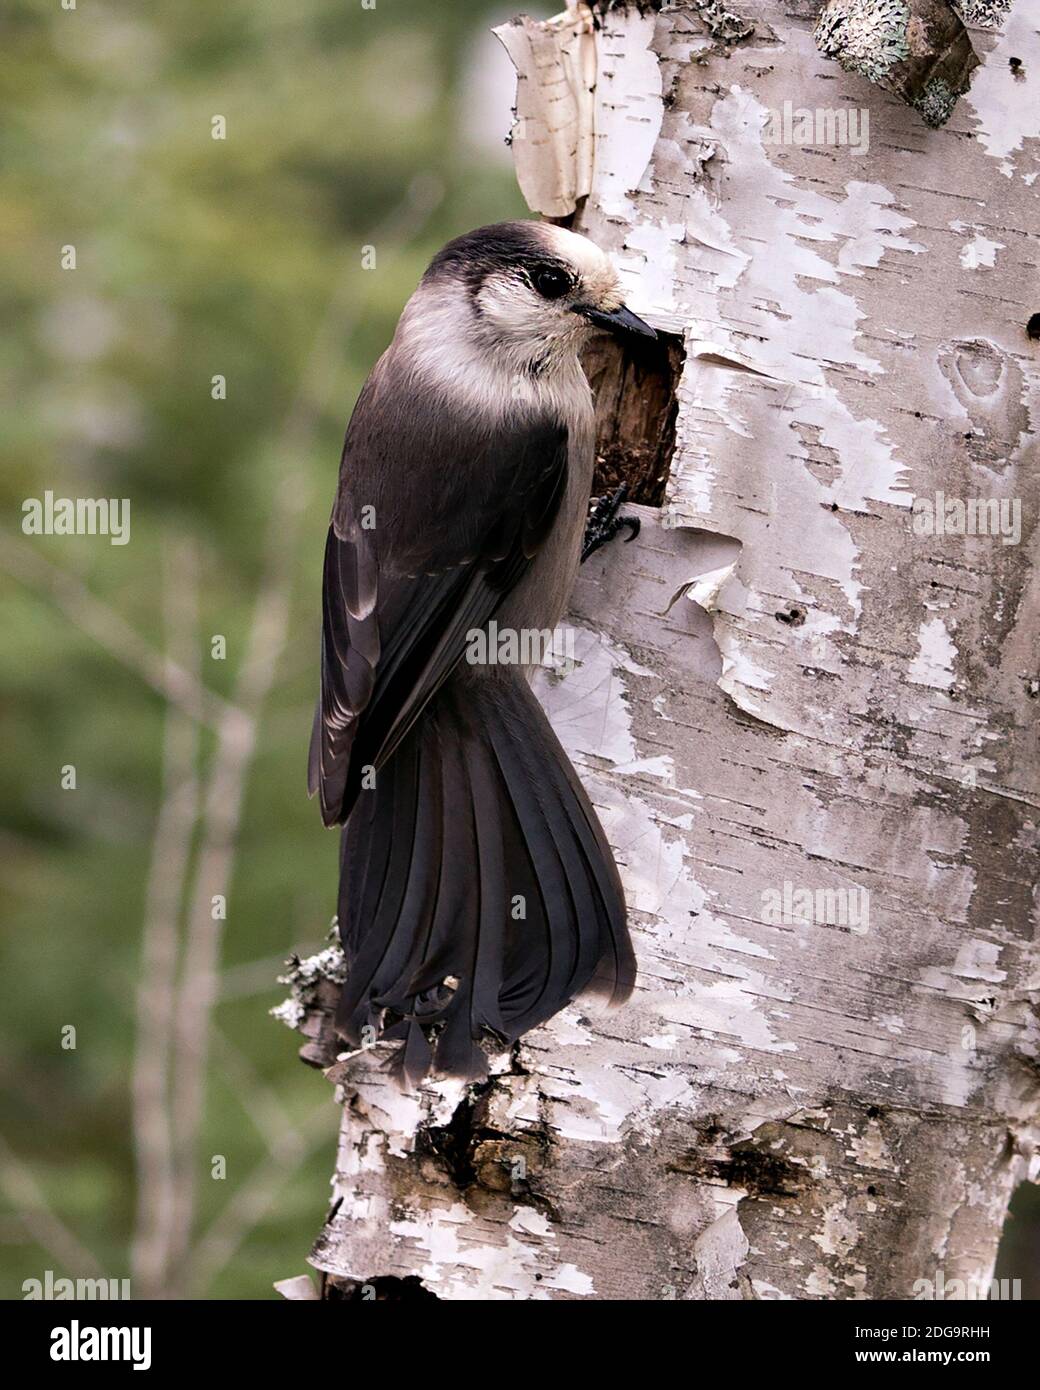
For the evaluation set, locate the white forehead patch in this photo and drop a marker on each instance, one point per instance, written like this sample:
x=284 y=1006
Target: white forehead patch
x=597 y=271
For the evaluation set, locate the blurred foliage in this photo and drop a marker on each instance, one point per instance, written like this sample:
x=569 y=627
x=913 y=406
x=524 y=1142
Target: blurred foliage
x=195 y=256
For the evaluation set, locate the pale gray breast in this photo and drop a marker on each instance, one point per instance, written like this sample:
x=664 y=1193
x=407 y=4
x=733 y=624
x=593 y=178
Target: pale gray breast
x=430 y=346
x=540 y=598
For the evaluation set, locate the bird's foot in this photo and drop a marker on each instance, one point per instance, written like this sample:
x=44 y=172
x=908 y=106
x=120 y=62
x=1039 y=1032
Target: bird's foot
x=604 y=522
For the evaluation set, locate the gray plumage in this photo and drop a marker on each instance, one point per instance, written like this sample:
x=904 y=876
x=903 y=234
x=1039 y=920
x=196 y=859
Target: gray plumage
x=462 y=497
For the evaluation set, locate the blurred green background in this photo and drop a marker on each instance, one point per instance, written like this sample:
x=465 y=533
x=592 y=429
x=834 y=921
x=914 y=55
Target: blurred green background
x=346 y=127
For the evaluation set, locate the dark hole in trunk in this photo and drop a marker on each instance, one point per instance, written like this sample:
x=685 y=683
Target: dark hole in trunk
x=634 y=383
x=381 y=1288
x=1018 y=1256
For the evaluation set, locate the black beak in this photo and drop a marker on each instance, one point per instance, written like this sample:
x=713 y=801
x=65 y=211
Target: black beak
x=617 y=321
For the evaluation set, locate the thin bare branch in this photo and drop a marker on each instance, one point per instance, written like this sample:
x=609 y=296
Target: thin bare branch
x=270 y=1118
x=171 y=854
x=253 y=1199
x=39 y=1219
x=104 y=625
x=251 y=977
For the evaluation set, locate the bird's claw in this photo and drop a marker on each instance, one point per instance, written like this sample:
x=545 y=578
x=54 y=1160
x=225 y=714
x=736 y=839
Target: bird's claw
x=604 y=523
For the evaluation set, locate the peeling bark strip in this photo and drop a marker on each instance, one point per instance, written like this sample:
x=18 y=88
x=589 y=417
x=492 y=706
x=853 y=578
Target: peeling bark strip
x=918 y=49
x=552 y=137
x=807 y=722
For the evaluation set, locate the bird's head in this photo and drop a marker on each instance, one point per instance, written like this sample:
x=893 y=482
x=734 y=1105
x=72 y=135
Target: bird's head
x=534 y=291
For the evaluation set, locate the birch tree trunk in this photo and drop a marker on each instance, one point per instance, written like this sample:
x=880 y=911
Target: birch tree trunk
x=817 y=766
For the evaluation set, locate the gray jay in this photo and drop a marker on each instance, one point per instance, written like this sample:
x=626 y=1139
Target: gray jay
x=478 y=895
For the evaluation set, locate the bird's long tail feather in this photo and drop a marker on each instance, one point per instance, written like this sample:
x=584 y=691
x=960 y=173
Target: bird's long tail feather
x=478 y=895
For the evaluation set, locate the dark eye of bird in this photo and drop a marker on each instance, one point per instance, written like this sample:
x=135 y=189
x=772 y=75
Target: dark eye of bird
x=550 y=282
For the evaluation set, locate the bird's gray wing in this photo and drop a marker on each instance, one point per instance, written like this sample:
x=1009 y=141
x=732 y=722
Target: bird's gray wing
x=438 y=517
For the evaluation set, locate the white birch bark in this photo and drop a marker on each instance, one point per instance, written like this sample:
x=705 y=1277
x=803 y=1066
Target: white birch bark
x=787 y=1108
